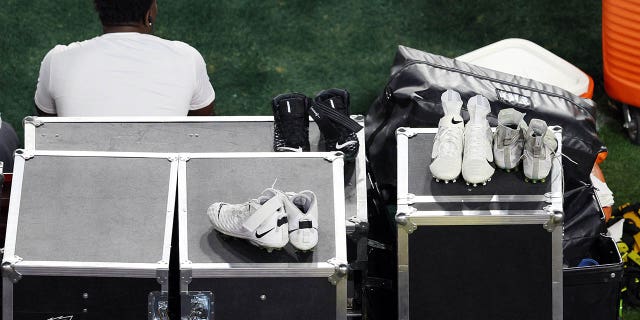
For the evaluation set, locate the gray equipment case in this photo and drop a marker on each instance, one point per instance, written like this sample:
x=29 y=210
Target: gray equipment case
x=248 y=282
x=489 y=252
x=231 y=136
x=88 y=234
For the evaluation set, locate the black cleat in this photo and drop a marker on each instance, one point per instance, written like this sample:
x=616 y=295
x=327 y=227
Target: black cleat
x=291 y=122
x=330 y=110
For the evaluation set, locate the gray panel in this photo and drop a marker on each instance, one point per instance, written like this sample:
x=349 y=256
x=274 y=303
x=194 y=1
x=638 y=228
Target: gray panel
x=220 y=136
x=236 y=180
x=421 y=181
x=96 y=209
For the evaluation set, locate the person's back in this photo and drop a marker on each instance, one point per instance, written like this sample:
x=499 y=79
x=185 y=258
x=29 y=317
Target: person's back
x=125 y=72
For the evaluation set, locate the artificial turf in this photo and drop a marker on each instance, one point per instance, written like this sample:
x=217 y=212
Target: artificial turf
x=257 y=49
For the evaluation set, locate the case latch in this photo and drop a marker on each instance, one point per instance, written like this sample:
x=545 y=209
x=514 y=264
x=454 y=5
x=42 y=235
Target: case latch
x=404 y=220
x=9 y=269
x=158 y=305
x=340 y=271
x=196 y=305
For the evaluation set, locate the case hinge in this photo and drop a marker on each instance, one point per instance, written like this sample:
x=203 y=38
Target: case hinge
x=162 y=275
x=403 y=219
x=341 y=269
x=9 y=269
x=33 y=121
x=406 y=132
x=185 y=277
x=555 y=219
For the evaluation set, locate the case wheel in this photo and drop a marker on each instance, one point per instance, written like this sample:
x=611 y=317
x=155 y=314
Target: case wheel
x=632 y=122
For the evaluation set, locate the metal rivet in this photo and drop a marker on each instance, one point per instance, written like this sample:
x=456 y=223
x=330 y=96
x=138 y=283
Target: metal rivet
x=263 y=297
x=85 y=295
x=84 y=310
x=613 y=275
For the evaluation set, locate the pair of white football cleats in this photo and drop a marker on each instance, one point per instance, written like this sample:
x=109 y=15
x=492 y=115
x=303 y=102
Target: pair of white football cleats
x=472 y=148
x=271 y=221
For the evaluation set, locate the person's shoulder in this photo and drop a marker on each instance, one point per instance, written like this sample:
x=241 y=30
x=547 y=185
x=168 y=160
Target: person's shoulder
x=63 y=48
x=184 y=48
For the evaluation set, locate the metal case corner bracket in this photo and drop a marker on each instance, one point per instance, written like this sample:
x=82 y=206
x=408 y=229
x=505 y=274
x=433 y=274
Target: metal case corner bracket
x=9 y=270
x=341 y=270
x=404 y=221
x=24 y=154
x=408 y=132
x=408 y=199
x=555 y=219
x=33 y=120
x=334 y=155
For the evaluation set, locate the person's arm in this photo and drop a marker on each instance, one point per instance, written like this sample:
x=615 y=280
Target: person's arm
x=203 y=97
x=44 y=102
x=206 y=111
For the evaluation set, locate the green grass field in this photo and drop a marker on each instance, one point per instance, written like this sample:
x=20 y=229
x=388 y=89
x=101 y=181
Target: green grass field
x=257 y=49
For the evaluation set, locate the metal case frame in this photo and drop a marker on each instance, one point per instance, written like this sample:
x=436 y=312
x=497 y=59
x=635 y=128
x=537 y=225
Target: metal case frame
x=14 y=267
x=334 y=270
x=354 y=220
x=409 y=218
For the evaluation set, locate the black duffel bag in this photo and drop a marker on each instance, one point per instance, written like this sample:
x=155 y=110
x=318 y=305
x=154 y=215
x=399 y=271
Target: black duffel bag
x=411 y=98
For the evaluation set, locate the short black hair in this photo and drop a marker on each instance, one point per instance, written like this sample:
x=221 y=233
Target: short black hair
x=122 y=11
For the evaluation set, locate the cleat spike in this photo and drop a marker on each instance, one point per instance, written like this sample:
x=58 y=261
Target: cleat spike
x=467 y=183
x=475 y=184
x=269 y=250
x=484 y=183
x=446 y=182
x=437 y=180
x=526 y=179
x=543 y=180
x=507 y=170
x=454 y=180
x=488 y=179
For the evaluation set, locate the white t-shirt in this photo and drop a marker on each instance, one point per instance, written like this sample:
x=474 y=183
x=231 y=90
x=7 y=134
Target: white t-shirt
x=123 y=74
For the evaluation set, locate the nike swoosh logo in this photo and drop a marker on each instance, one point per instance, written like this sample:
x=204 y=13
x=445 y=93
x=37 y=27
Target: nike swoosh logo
x=298 y=149
x=260 y=235
x=455 y=122
x=340 y=146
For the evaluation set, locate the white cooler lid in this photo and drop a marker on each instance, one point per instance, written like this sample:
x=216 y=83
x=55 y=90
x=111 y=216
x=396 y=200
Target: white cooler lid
x=527 y=59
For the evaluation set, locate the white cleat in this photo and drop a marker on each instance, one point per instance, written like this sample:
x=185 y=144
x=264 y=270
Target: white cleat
x=539 y=148
x=262 y=221
x=478 y=156
x=508 y=140
x=302 y=212
x=446 y=156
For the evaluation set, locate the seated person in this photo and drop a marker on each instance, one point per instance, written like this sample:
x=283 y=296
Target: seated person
x=8 y=144
x=127 y=71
